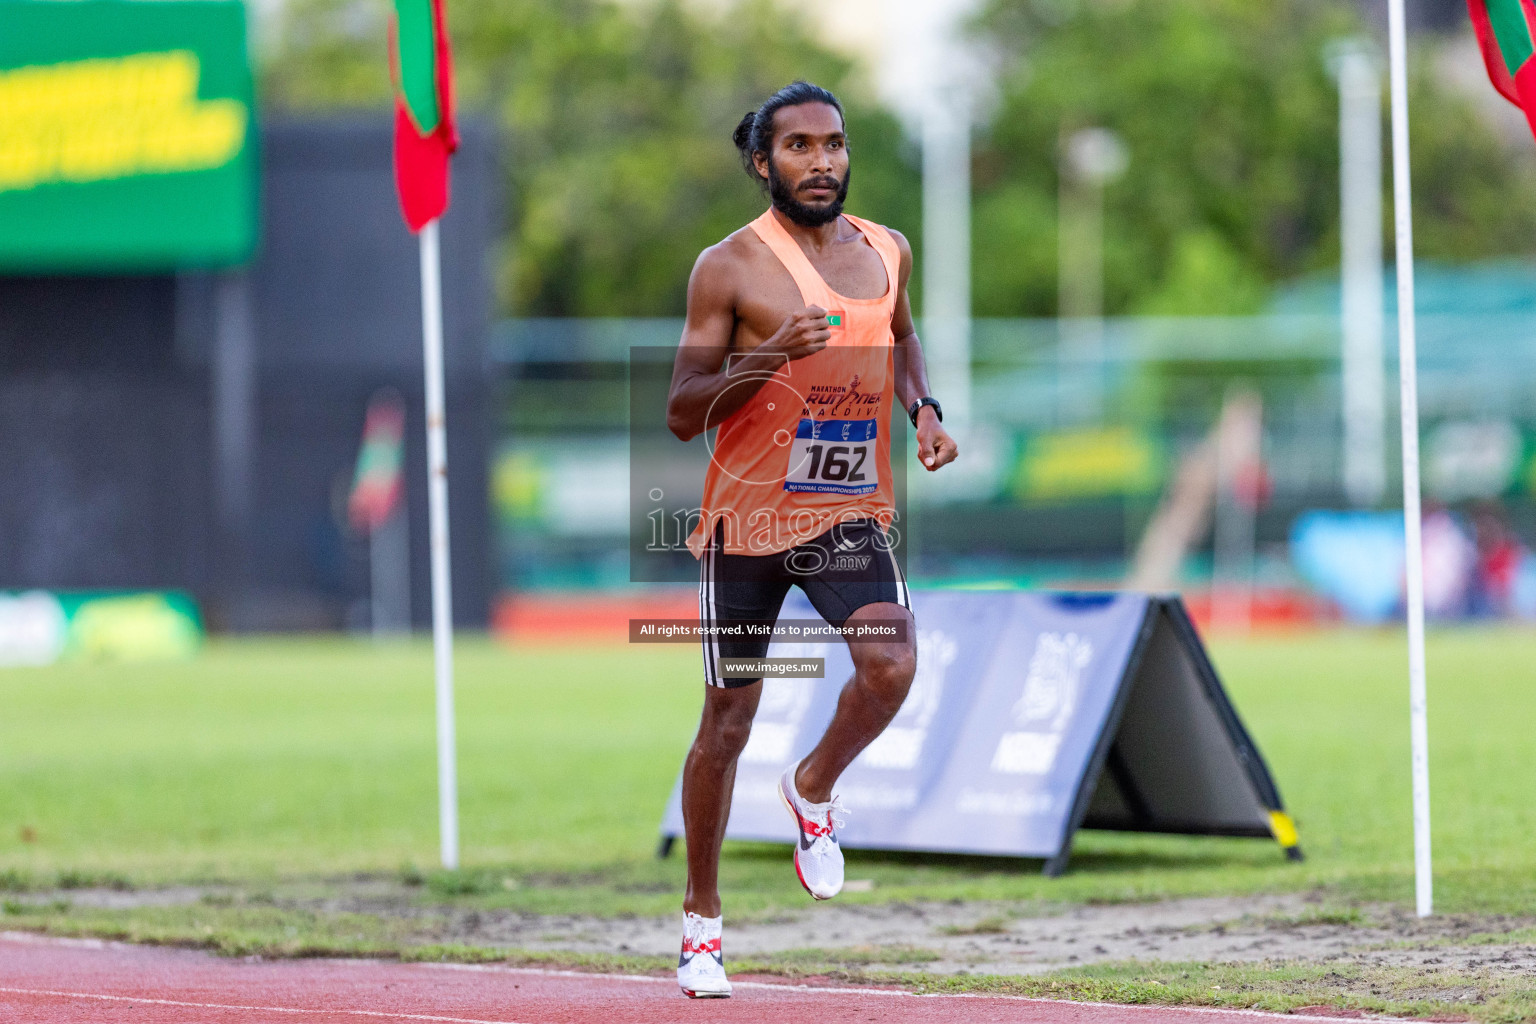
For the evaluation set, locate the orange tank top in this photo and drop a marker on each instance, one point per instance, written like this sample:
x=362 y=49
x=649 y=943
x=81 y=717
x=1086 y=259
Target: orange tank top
x=812 y=447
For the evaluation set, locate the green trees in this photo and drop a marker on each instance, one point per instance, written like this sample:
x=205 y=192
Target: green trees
x=616 y=121
x=1231 y=119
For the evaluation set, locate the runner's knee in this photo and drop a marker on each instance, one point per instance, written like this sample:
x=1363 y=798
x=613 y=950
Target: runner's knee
x=723 y=734
x=886 y=672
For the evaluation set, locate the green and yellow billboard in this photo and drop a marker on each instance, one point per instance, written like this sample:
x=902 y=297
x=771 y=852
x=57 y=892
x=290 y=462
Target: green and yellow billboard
x=126 y=135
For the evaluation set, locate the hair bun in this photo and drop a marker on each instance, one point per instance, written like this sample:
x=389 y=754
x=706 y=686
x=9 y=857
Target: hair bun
x=742 y=136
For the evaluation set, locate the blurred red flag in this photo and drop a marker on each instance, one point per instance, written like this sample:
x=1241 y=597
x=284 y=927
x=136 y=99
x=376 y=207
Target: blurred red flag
x=378 y=485
x=425 y=135
x=1505 y=34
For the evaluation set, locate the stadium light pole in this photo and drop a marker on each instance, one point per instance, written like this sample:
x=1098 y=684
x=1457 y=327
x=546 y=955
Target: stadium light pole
x=1364 y=384
x=946 y=133
x=1409 y=380
x=1089 y=160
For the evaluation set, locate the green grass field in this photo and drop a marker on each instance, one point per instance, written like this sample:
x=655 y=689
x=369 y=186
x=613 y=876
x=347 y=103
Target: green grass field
x=279 y=759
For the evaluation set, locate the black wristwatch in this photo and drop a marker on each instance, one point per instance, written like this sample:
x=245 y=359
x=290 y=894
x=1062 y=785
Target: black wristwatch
x=917 y=407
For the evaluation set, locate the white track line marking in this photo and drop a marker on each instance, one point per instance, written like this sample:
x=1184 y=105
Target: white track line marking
x=232 y=1006
x=549 y=972
x=35 y=939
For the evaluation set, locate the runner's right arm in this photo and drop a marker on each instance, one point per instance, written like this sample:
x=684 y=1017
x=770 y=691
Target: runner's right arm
x=709 y=383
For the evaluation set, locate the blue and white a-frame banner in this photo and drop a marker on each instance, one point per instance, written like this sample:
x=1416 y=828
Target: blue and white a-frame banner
x=1032 y=715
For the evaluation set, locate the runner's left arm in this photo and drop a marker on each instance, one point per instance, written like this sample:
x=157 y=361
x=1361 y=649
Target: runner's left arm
x=935 y=447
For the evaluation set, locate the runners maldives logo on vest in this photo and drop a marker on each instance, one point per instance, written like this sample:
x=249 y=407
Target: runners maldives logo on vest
x=829 y=399
x=835 y=318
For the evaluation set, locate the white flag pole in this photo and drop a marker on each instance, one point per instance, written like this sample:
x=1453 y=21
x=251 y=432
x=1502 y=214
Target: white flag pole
x=1408 y=370
x=437 y=498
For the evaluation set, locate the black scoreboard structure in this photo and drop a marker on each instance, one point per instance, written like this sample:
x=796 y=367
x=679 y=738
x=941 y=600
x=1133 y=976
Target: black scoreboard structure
x=196 y=429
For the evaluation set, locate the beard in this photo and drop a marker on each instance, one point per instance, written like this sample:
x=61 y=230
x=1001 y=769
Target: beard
x=782 y=194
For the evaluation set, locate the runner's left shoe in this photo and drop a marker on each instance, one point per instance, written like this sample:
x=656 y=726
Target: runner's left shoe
x=818 y=858
x=701 y=966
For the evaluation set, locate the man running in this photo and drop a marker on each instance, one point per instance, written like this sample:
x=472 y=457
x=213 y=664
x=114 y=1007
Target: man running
x=799 y=335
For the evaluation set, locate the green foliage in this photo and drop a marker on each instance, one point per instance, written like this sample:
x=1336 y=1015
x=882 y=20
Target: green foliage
x=1473 y=197
x=1230 y=117
x=1204 y=274
x=615 y=124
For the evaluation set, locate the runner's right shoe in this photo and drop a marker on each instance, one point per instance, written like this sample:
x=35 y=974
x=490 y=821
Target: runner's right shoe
x=701 y=967
x=818 y=857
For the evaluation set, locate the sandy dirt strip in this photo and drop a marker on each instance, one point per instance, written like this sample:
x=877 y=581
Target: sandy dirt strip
x=953 y=937
x=1002 y=939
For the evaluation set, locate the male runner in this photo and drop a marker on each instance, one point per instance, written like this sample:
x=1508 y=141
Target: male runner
x=799 y=334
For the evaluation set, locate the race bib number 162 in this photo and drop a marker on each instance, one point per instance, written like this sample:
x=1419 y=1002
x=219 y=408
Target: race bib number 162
x=834 y=457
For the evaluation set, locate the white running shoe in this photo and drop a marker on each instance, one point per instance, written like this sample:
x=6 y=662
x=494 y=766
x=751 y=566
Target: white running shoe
x=818 y=858
x=700 y=967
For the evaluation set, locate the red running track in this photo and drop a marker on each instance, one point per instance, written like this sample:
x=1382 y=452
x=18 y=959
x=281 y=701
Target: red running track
x=53 y=981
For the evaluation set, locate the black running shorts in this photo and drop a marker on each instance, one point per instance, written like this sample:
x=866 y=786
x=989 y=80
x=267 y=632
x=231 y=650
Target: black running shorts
x=841 y=571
